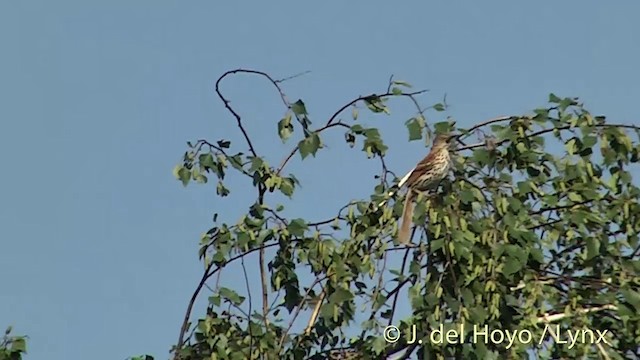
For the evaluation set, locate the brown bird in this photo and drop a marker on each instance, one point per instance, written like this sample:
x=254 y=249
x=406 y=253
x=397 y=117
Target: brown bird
x=425 y=177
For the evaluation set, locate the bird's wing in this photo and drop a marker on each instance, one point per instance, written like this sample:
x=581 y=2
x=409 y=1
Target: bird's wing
x=423 y=166
x=405 y=178
x=400 y=184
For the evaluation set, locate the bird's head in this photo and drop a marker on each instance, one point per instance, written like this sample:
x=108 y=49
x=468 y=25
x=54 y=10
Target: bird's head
x=443 y=140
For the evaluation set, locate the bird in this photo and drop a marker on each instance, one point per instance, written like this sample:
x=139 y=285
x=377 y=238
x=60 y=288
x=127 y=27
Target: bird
x=425 y=177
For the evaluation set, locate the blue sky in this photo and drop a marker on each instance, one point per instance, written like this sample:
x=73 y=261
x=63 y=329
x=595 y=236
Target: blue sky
x=99 y=241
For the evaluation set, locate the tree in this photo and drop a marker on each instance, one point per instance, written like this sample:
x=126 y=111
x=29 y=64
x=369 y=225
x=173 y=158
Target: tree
x=540 y=248
x=539 y=251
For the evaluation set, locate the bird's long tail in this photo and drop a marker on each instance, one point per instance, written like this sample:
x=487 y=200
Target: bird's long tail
x=407 y=215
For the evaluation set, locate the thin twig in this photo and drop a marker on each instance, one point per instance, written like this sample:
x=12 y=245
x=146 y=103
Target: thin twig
x=246 y=281
x=292 y=77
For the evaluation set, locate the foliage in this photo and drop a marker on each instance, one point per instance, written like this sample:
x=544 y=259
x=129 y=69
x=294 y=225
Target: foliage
x=537 y=227
x=529 y=250
x=12 y=347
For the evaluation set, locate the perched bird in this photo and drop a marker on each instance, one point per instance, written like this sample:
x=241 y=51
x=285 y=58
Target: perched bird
x=425 y=177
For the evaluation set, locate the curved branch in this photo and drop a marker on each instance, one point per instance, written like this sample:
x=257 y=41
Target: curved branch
x=273 y=82
x=233 y=112
x=295 y=148
x=362 y=98
x=330 y=123
x=208 y=273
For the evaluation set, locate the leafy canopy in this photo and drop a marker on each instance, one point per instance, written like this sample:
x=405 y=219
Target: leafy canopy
x=537 y=226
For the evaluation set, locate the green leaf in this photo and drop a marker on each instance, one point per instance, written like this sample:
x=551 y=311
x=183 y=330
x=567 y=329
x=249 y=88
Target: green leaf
x=287 y=186
x=439 y=107
x=481 y=156
x=340 y=295
x=184 y=175
x=18 y=345
x=310 y=145
x=571 y=146
x=536 y=254
x=236 y=161
x=593 y=247
x=379 y=344
x=632 y=297
x=206 y=160
x=396 y=91
x=415 y=129
x=285 y=129
x=589 y=141
x=442 y=127
x=466 y=196
x=574 y=197
x=200 y=178
x=297 y=227
x=231 y=296
x=358 y=129
x=176 y=171
x=401 y=83
x=375 y=104
x=221 y=189
x=299 y=108
x=215 y=300
x=554 y=99
x=511 y=266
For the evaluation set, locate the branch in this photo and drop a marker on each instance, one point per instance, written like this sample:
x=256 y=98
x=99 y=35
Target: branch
x=559 y=207
x=537 y=133
x=298 y=309
x=202 y=142
x=293 y=151
x=548 y=318
x=494 y=120
x=330 y=123
x=208 y=273
x=263 y=273
x=233 y=112
x=362 y=98
x=185 y=322
x=395 y=298
x=246 y=281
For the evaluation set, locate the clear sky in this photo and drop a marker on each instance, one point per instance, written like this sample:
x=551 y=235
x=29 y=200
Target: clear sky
x=98 y=251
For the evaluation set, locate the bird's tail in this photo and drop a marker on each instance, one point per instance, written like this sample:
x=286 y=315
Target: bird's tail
x=407 y=215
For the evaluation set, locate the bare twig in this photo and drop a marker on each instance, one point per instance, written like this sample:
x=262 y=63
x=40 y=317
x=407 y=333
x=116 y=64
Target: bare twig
x=292 y=77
